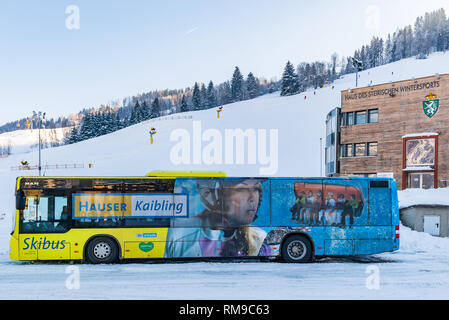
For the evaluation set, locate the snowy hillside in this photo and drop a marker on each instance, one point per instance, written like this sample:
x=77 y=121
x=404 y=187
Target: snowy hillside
x=24 y=141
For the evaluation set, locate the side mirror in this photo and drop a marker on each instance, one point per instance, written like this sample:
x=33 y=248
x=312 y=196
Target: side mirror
x=20 y=200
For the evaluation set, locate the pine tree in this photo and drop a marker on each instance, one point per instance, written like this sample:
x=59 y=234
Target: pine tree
x=419 y=42
x=388 y=52
x=184 y=106
x=203 y=97
x=72 y=136
x=100 y=122
x=145 y=111
x=375 y=52
x=88 y=128
x=343 y=66
x=196 y=97
x=225 y=93
x=333 y=72
x=289 y=82
x=135 y=114
x=155 y=109
x=211 y=99
x=252 y=86
x=237 y=86
x=113 y=121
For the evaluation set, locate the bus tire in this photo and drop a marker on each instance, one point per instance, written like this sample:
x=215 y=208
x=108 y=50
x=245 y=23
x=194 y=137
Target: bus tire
x=102 y=250
x=297 y=249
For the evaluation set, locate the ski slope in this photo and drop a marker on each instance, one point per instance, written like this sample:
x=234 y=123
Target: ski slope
x=24 y=141
x=417 y=271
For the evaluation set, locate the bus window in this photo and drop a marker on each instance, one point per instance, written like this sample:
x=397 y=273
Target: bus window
x=334 y=205
x=344 y=203
x=45 y=214
x=296 y=203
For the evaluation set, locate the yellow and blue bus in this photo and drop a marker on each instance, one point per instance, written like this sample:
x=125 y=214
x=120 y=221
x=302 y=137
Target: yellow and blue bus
x=197 y=215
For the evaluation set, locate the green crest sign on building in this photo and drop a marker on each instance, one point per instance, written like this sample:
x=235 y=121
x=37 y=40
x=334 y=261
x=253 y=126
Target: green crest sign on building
x=430 y=105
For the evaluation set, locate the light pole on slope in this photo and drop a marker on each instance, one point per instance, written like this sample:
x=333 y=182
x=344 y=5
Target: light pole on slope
x=39 y=116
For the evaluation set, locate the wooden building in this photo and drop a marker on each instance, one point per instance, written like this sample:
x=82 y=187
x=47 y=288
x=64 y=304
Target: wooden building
x=398 y=129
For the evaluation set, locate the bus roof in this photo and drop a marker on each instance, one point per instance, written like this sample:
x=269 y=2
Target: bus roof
x=193 y=174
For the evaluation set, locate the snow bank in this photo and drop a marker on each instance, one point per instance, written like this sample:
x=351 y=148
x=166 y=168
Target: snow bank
x=418 y=242
x=412 y=197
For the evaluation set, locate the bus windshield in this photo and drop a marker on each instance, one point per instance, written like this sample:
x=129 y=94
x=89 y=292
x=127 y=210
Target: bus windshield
x=45 y=213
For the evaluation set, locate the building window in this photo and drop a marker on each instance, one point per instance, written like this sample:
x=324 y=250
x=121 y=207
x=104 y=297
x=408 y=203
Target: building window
x=420 y=162
x=420 y=152
x=331 y=167
x=373 y=116
x=349 y=150
x=343 y=153
x=330 y=140
x=350 y=120
x=372 y=149
x=360 y=117
x=360 y=149
x=421 y=180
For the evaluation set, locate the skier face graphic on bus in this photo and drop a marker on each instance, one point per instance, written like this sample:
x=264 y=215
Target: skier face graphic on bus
x=223 y=222
x=240 y=203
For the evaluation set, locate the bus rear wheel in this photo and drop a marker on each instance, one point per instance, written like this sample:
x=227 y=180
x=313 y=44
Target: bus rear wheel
x=297 y=249
x=102 y=250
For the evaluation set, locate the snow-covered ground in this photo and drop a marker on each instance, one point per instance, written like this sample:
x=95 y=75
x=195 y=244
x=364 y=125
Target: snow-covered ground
x=417 y=271
x=23 y=141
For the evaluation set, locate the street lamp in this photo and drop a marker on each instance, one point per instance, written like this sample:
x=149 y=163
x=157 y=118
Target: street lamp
x=39 y=116
x=321 y=157
x=358 y=65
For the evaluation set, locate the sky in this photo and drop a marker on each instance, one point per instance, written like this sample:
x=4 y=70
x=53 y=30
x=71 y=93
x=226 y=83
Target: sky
x=60 y=56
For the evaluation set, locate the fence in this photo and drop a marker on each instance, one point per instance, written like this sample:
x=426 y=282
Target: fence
x=187 y=117
x=51 y=167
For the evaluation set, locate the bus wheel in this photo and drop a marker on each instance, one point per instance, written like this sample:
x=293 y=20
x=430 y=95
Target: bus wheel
x=297 y=249
x=102 y=250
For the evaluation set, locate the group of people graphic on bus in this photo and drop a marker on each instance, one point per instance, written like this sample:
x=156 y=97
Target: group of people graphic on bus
x=337 y=207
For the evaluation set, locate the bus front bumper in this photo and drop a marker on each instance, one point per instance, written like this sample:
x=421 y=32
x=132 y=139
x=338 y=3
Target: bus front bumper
x=14 y=249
